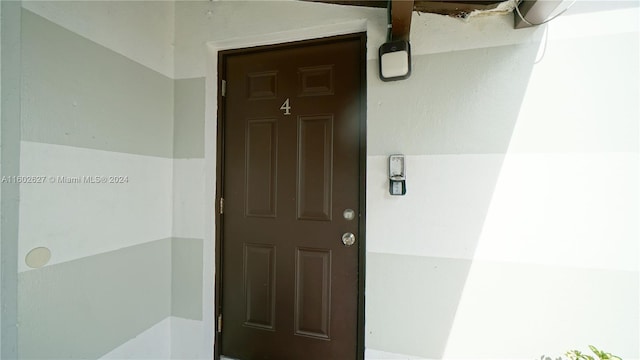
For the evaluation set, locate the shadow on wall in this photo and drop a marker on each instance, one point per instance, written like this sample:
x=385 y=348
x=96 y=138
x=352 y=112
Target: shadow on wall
x=454 y=119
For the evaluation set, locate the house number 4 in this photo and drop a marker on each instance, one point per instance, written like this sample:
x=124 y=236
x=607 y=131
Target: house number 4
x=286 y=106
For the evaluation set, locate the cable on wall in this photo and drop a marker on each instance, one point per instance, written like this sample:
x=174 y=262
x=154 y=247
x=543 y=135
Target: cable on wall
x=544 y=47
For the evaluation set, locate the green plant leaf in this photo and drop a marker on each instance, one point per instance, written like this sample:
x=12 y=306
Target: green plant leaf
x=599 y=353
x=602 y=355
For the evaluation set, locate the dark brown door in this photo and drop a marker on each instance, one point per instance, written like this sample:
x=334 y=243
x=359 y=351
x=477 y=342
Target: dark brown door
x=291 y=183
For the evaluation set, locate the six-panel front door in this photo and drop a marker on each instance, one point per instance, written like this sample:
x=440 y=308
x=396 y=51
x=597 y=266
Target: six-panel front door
x=292 y=195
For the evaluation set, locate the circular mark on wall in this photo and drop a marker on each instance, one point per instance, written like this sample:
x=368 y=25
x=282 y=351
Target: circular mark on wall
x=38 y=257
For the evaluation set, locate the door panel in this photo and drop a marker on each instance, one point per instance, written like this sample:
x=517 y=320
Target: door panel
x=261 y=167
x=259 y=285
x=292 y=166
x=313 y=293
x=315 y=167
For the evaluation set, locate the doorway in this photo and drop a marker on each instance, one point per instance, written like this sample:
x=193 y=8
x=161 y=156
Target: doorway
x=291 y=172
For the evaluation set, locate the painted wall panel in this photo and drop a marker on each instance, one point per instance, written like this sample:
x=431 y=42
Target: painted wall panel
x=1 y=207
x=189 y=119
x=10 y=43
x=188 y=199
x=476 y=206
x=454 y=309
x=412 y=302
x=186 y=278
x=571 y=209
x=187 y=341
x=143 y=31
x=449 y=106
x=78 y=93
x=371 y=354
x=149 y=344
x=76 y=220
x=588 y=108
x=443 y=212
x=85 y=308
x=619 y=17
x=554 y=309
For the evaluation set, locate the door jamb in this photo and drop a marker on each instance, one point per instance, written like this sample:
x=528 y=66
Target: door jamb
x=216 y=68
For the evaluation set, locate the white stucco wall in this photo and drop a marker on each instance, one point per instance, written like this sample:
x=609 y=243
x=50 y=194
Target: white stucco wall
x=523 y=178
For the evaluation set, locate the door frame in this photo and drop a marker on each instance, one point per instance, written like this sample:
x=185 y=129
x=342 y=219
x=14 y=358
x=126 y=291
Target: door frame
x=361 y=36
